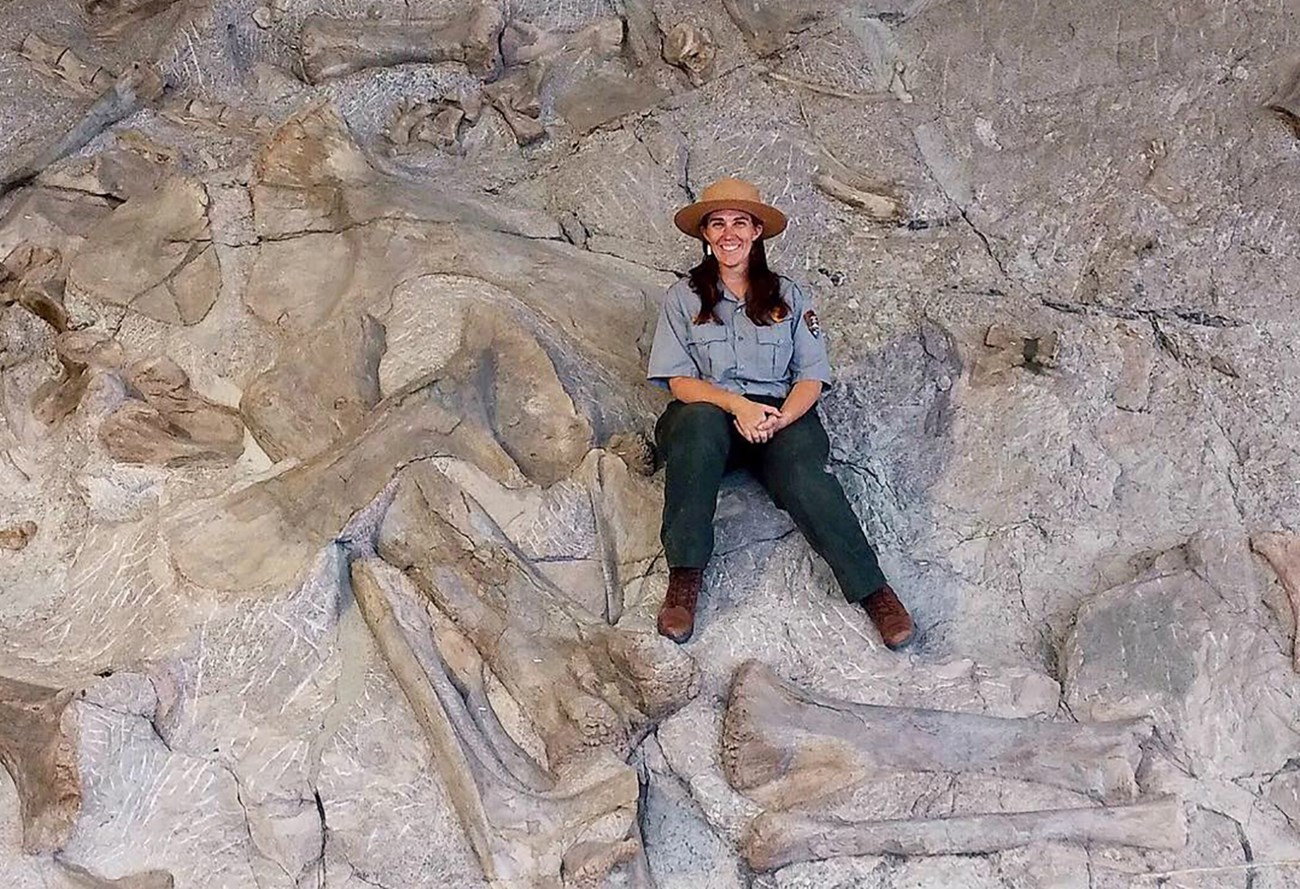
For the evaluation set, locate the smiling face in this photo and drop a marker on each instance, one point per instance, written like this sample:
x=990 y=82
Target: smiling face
x=731 y=234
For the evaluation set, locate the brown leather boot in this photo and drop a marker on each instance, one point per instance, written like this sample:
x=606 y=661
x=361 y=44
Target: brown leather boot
x=890 y=617
x=677 y=614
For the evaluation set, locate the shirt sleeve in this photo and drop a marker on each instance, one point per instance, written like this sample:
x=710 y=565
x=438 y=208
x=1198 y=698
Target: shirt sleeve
x=810 y=361
x=668 y=355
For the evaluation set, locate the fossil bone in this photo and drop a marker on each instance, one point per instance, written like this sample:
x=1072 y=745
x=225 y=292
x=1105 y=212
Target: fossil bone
x=434 y=123
x=138 y=86
x=17 y=536
x=32 y=277
x=62 y=63
x=336 y=47
x=784 y=746
x=587 y=691
x=518 y=97
x=1282 y=551
x=523 y=43
x=584 y=683
x=42 y=760
x=1286 y=101
x=692 y=49
x=578 y=826
x=879 y=200
x=170 y=423
x=775 y=840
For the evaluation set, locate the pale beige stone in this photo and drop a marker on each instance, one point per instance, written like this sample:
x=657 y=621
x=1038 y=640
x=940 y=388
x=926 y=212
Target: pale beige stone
x=153 y=255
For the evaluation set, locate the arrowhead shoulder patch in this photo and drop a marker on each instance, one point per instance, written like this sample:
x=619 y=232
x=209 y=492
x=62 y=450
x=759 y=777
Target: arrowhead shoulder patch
x=814 y=326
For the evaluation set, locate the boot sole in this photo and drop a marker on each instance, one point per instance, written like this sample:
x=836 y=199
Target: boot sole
x=680 y=640
x=897 y=646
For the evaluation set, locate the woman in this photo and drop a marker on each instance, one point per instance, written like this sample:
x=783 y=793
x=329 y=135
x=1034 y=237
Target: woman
x=741 y=350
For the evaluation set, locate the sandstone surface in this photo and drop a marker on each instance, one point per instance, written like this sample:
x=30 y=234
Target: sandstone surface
x=328 y=509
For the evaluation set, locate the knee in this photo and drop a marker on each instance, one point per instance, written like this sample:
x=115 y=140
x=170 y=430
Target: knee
x=698 y=428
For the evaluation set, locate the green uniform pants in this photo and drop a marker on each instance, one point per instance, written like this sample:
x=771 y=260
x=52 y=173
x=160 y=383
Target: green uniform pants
x=699 y=443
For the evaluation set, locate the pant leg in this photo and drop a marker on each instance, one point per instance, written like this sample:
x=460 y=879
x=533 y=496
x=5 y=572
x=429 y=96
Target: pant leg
x=792 y=467
x=695 y=442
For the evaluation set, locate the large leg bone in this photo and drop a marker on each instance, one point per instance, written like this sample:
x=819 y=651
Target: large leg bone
x=776 y=840
x=137 y=87
x=579 y=827
x=583 y=683
x=336 y=47
x=783 y=746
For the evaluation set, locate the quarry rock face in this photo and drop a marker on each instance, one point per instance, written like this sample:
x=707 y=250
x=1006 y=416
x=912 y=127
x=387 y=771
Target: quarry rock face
x=329 y=514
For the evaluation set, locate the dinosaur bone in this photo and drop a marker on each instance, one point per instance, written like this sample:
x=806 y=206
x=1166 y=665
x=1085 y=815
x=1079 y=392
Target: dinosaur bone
x=784 y=746
x=1285 y=102
x=518 y=97
x=1282 y=551
x=692 y=49
x=41 y=758
x=336 y=47
x=62 y=62
x=570 y=831
x=138 y=86
x=491 y=631
x=775 y=840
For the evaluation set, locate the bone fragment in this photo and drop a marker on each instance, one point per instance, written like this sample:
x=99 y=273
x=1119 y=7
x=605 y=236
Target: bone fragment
x=61 y=62
x=879 y=201
x=139 y=86
x=17 y=536
x=692 y=49
x=783 y=746
x=42 y=760
x=32 y=276
x=337 y=47
x=1282 y=552
x=518 y=98
x=1286 y=101
x=776 y=840
x=523 y=44
x=169 y=423
x=635 y=449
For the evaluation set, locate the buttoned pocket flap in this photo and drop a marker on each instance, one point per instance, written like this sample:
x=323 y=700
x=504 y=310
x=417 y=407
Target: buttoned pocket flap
x=708 y=333
x=771 y=334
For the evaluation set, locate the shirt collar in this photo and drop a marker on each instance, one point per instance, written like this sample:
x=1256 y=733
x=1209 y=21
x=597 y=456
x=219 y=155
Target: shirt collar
x=726 y=292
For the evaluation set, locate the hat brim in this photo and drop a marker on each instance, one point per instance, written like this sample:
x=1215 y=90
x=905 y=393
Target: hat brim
x=688 y=219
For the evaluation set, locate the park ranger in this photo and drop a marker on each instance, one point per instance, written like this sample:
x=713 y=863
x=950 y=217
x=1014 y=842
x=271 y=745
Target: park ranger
x=742 y=351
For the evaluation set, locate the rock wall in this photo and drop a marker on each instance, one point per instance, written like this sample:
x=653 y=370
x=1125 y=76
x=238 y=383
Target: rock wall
x=328 y=518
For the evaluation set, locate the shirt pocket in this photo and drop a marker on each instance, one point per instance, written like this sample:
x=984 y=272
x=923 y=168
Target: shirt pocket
x=711 y=348
x=775 y=348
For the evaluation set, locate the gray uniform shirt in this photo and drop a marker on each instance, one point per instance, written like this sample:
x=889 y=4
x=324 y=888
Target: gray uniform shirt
x=737 y=354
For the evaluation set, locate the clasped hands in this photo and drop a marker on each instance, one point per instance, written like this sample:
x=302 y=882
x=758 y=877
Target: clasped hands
x=757 y=422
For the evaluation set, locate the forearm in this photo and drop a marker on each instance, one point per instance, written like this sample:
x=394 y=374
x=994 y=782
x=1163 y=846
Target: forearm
x=690 y=389
x=803 y=395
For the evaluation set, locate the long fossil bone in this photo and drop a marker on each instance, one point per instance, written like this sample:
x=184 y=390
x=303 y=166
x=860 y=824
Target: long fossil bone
x=775 y=840
x=783 y=745
x=337 y=47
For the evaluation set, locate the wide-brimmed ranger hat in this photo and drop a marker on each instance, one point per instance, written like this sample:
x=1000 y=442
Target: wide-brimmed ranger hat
x=730 y=194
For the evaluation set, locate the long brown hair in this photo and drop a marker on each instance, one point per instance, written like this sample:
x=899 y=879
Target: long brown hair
x=763 y=305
